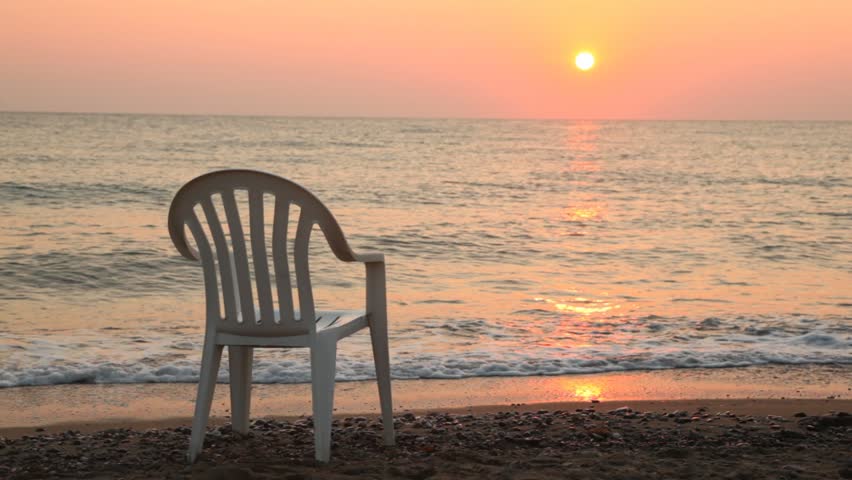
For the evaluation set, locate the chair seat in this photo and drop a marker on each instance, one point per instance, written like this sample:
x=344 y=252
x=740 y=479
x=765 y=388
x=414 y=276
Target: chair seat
x=343 y=322
x=338 y=323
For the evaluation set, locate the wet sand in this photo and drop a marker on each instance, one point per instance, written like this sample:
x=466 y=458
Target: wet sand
x=90 y=407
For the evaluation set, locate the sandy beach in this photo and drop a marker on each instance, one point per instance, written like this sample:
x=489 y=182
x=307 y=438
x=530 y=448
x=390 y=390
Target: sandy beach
x=751 y=423
x=734 y=439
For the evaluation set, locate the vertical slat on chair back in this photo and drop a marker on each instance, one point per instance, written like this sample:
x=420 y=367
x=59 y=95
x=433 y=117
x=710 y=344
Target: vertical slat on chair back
x=233 y=260
x=206 y=257
x=239 y=257
x=279 y=258
x=258 y=249
x=223 y=252
x=303 y=274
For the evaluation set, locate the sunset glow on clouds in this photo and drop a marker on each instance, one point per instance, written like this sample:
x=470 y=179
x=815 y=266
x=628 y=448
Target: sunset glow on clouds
x=654 y=58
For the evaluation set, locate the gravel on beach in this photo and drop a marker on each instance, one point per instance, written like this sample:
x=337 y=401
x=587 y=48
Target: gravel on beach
x=585 y=443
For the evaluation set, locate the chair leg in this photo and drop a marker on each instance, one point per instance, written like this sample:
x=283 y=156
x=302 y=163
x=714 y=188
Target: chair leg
x=323 y=365
x=210 y=359
x=240 y=363
x=381 y=357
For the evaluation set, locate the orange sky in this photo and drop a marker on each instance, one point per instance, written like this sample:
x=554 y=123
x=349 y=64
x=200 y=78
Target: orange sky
x=722 y=59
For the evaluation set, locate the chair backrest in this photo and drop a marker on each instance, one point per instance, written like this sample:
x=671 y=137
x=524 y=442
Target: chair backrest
x=232 y=261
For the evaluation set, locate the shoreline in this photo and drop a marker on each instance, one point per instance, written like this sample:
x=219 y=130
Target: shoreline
x=752 y=407
x=93 y=407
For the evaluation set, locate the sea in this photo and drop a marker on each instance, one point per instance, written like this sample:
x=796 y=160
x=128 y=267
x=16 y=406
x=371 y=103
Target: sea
x=513 y=247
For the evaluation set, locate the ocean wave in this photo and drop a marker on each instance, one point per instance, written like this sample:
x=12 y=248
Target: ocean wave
x=420 y=367
x=470 y=348
x=132 y=270
x=68 y=194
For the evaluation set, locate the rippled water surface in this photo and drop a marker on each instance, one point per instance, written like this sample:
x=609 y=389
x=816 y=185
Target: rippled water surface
x=513 y=247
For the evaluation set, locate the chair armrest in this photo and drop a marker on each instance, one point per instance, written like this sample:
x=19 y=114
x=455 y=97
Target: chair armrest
x=191 y=254
x=370 y=257
x=376 y=289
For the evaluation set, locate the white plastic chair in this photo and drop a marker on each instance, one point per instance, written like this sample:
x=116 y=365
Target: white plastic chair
x=244 y=326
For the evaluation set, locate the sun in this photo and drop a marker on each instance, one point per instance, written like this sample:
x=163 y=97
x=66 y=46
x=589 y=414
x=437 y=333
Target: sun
x=584 y=61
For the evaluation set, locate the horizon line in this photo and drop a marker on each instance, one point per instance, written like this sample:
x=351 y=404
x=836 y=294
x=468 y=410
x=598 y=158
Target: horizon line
x=399 y=117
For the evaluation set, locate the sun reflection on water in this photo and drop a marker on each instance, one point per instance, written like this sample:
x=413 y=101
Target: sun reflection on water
x=580 y=305
x=587 y=392
x=582 y=213
x=580 y=391
x=582 y=138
